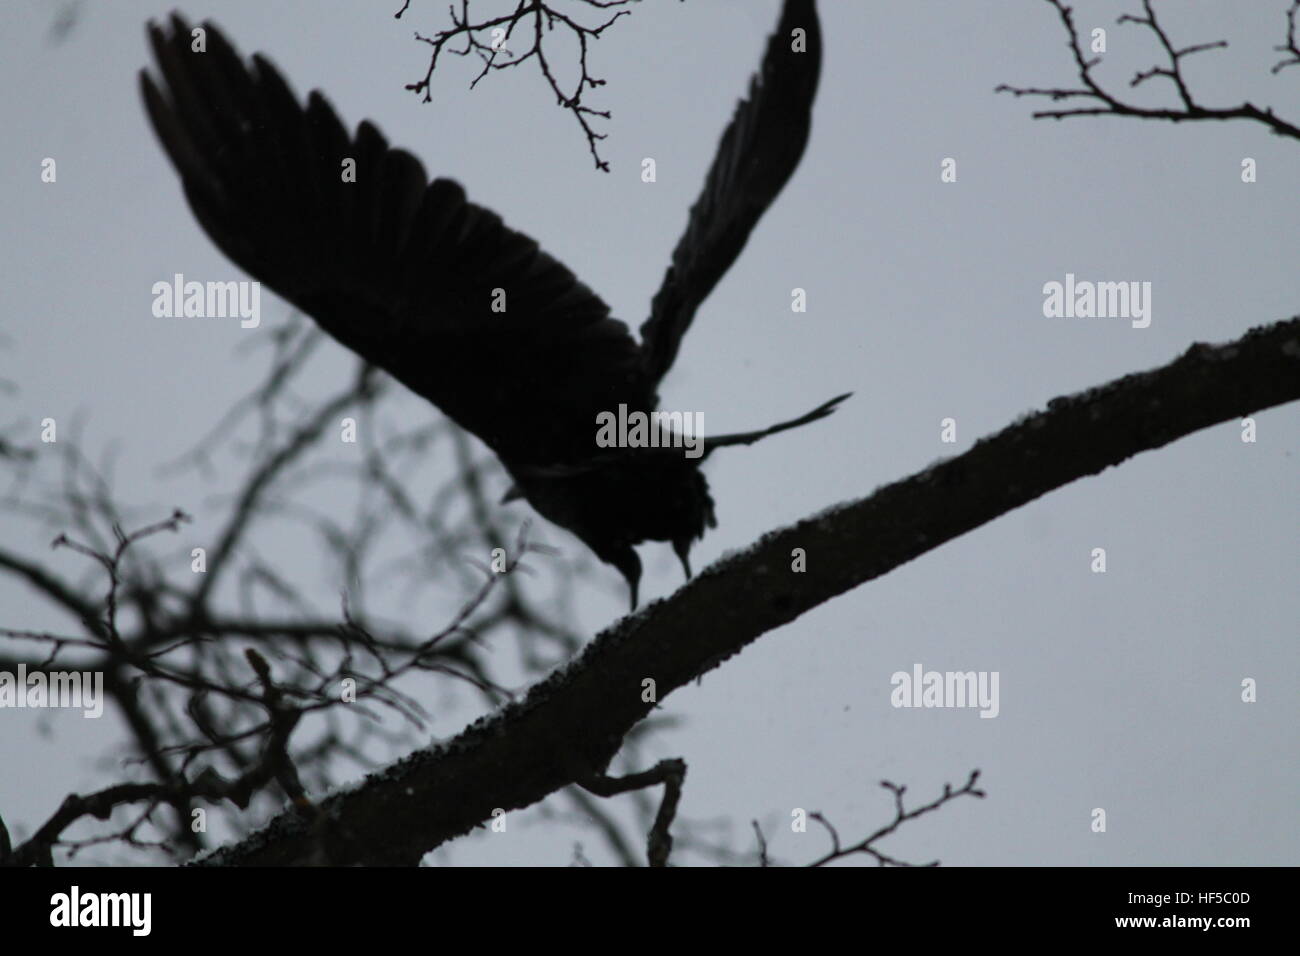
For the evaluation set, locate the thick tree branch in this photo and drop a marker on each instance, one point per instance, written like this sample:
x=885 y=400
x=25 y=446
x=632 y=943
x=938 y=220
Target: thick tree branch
x=573 y=722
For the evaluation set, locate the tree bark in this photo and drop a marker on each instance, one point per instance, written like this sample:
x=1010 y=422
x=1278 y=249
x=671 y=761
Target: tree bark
x=573 y=722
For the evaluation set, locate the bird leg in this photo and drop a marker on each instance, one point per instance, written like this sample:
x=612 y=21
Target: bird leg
x=629 y=565
x=683 y=549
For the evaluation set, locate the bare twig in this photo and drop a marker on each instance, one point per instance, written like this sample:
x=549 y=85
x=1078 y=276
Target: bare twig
x=1109 y=104
x=901 y=815
x=1289 y=45
x=534 y=18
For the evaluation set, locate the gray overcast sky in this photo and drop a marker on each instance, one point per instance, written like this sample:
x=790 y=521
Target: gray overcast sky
x=1118 y=691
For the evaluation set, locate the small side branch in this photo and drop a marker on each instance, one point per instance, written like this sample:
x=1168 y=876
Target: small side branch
x=672 y=774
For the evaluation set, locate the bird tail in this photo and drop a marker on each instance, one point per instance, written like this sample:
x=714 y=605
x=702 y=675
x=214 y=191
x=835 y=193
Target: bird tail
x=748 y=438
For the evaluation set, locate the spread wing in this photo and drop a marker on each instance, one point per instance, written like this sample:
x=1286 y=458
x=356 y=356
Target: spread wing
x=404 y=272
x=757 y=155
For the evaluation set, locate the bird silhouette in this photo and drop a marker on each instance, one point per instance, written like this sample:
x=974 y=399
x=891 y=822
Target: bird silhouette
x=406 y=272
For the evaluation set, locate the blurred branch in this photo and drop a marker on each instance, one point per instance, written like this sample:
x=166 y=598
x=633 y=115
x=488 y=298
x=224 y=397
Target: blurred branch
x=173 y=646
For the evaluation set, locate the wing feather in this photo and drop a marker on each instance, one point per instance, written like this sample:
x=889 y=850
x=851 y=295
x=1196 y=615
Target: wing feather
x=758 y=153
x=398 y=269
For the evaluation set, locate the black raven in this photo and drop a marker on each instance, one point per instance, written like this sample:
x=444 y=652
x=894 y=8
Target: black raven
x=405 y=273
